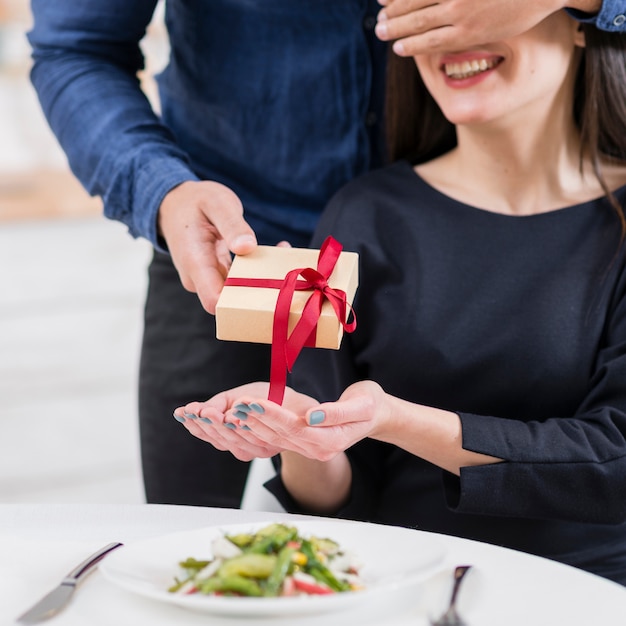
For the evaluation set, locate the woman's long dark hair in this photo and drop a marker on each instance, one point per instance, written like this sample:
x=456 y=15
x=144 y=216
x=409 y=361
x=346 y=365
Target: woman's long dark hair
x=418 y=131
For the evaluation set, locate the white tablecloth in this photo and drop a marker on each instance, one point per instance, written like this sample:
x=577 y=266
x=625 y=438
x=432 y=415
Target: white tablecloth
x=39 y=544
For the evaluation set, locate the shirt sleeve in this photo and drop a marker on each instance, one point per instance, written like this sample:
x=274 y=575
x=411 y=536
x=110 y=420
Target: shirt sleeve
x=86 y=57
x=611 y=17
x=561 y=467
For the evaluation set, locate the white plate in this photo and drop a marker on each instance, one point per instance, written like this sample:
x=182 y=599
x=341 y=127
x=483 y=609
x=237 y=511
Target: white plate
x=394 y=560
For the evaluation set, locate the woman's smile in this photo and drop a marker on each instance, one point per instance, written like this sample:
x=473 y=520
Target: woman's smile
x=495 y=81
x=468 y=68
x=465 y=70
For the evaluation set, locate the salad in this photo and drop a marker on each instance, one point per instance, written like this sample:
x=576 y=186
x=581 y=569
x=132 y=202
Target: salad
x=275 y=561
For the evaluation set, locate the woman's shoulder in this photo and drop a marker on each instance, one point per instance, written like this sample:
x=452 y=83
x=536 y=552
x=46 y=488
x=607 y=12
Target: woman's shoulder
x=381 y=196
x=398 y=170
x=385 y=184
x=615 y=176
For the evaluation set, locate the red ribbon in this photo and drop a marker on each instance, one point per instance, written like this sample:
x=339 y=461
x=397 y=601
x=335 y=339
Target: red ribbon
x=285 y=347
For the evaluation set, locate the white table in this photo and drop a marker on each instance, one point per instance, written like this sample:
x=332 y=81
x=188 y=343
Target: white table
x=39 y=544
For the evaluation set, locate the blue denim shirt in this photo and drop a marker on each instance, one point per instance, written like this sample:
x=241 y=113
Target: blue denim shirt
x=281 y=100
x=612 y=16
x=278 y=99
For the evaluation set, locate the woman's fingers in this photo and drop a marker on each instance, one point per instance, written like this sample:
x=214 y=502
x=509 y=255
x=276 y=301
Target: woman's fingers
x=250 y=427
x=210 y=425
x=358 y=403
x=282 y=429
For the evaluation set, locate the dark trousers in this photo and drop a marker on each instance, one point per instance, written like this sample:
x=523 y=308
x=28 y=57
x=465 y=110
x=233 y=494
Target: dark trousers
x=182 y=361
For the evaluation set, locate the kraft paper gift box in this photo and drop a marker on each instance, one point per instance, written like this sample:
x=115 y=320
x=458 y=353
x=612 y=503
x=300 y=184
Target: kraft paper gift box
x=246 y=313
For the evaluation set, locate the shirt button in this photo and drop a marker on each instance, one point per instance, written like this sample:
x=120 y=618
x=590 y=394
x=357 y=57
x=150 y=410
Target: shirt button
x=619 y=20
x=371 y=118
x=369 y=22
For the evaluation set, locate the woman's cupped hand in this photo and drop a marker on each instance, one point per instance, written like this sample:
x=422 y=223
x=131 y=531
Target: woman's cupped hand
x=244 y=422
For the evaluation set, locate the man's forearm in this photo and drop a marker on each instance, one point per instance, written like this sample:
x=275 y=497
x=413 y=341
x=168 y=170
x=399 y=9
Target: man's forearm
x=85 y=75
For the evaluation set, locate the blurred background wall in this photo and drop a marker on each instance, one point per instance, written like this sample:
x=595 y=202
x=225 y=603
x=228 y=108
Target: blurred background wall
x=71 y=293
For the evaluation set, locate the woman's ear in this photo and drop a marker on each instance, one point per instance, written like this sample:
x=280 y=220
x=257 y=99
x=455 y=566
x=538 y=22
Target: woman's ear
x=579 y=36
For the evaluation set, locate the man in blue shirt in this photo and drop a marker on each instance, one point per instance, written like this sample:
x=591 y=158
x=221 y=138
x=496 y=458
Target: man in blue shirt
x=267 y=108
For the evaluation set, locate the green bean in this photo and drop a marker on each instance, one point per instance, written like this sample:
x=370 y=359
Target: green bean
x=191 y=567
x=319 y=571
x=281 y=569
x=323 y=575
x=272 y=538
x=242 y=540
x=193 y=564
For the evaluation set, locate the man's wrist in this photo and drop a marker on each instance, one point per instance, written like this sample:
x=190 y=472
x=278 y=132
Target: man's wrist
x=586 y=6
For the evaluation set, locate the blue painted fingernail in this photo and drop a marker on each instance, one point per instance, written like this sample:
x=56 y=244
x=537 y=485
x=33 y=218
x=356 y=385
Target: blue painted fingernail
x=242 y=407
x=179 y=418
x=257 y=408
x=230 y=425
x=206 y=420
x=240 y=415
x=245 y=427
x=191 y=416
x=317 y=417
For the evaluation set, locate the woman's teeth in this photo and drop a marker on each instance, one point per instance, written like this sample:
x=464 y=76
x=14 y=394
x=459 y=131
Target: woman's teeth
x=469 y=68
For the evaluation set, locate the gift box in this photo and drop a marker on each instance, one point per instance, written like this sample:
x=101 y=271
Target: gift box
x=246 y=308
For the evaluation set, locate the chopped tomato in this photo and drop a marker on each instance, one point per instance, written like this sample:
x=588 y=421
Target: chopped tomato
x=311 y=588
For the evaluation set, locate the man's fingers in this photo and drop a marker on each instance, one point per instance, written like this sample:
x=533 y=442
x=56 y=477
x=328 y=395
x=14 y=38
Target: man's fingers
x=396 y=22
x=225 y=213
x=433 y=40
x=207 y=273
x=202 y=223
x=424 y=26
x=208 y=286
x=395 y=8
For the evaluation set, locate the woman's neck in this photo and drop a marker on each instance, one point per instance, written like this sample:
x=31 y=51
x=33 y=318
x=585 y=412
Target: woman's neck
x=514 y=168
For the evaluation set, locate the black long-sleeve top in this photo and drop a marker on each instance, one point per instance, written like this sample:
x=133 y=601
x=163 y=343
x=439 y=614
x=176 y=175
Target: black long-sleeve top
x=518 y=324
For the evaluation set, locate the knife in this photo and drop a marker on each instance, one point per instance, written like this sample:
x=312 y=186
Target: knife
x=55 y=601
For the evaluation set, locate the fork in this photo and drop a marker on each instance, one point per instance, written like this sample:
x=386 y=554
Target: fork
x=451 y=617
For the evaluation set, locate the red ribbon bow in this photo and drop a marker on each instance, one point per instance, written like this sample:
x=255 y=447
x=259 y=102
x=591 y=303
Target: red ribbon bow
x=285 y=347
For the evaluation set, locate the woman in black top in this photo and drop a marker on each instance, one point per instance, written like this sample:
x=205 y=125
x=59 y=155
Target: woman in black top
x=483 y=393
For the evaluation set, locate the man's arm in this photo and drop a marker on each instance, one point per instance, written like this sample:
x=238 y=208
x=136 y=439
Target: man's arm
x=86 y=58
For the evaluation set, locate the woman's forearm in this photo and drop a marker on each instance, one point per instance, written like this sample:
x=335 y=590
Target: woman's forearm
x=432 y=434
x=319 y=486
x=435 y=435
